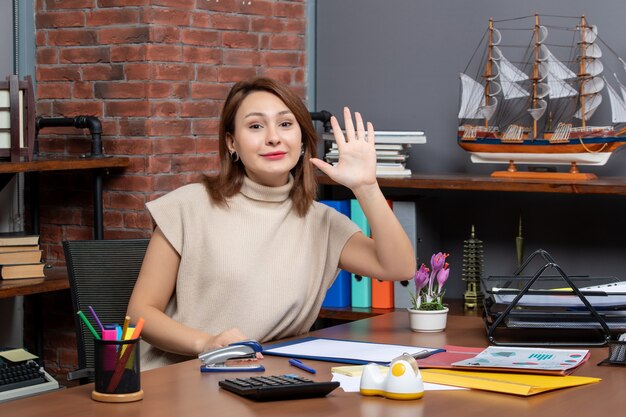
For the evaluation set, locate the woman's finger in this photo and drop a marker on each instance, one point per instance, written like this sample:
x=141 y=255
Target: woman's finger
x=339 y=138
x=347 y=119
x=360 y=128
x=370 y=133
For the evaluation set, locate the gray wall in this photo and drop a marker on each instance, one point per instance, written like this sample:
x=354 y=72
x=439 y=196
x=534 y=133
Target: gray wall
x=397 y=61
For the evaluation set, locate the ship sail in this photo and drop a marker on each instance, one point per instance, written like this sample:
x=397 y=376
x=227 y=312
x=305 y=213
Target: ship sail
x=473 y=100
x=592 y=84
x=509 y=76
x=618 y=106
x=555 y=74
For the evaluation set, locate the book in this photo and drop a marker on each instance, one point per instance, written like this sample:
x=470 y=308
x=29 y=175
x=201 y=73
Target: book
x=18 y=239
x=18 y=248
x=385 y=137
x=22 y=271
x=20 y=257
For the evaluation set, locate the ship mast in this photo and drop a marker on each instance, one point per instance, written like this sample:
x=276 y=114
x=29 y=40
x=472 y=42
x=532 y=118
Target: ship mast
x=583 y=70
x=536 y=73
x=488 y=69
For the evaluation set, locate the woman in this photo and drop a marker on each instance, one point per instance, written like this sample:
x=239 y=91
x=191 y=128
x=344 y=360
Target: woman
x=249 y=254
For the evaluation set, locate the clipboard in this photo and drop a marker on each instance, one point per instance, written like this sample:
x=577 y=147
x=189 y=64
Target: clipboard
x=345 y=351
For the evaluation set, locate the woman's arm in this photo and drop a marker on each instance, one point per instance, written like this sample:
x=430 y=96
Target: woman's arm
x=154 y=289
x=389 y=256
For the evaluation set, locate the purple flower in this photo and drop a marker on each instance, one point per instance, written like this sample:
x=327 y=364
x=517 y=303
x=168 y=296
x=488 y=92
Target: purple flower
x=442 y=276
x=421 y=278
x=438 y=260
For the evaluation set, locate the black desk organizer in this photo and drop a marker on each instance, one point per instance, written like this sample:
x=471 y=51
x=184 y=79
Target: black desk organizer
x=543 y=318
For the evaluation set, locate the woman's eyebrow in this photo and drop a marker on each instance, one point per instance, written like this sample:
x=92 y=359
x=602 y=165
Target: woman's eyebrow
x=280 y=113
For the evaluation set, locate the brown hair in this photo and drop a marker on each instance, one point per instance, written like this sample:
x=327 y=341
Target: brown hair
x=229 y=180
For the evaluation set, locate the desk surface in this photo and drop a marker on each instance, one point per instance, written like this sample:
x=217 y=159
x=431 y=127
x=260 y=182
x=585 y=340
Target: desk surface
x=181 y=390
x=56 y=279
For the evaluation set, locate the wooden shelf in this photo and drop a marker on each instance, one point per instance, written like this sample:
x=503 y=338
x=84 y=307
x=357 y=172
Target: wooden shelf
x=55 y=280
x=612 y=186
x=64 y=163
x=354 y=313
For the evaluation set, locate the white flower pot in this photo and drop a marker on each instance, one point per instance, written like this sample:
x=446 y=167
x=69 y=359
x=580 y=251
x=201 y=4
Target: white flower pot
x=428 y=320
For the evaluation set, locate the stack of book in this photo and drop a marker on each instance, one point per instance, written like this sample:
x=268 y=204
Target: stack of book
x=20 y=256
x=392 y=151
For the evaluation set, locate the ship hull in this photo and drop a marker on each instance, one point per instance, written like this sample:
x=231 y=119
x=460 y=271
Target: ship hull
x=583 y=151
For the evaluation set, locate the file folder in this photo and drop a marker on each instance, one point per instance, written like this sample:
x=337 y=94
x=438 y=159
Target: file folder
x=339 y=294
x=406 y=214
x=382 y=291
x=361 y=286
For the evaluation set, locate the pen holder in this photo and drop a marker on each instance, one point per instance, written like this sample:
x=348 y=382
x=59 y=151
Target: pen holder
x=617 y=354
x=117 y=373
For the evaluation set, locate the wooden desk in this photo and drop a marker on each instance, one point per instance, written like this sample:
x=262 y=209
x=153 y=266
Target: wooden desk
x=181 y=390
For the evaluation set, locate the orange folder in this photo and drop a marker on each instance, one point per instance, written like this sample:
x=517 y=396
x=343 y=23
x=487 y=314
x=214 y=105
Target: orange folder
x=382 y=291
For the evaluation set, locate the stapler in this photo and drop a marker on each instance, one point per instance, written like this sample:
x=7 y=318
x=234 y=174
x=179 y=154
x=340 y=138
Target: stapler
x=216 y=360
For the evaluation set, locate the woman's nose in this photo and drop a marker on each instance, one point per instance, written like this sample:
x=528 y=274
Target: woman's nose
x=272 y=136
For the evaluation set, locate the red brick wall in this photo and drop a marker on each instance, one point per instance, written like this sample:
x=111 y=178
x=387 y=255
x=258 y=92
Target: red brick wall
x=155 y=72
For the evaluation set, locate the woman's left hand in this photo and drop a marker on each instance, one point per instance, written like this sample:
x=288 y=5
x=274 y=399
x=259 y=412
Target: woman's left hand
x=357 y=155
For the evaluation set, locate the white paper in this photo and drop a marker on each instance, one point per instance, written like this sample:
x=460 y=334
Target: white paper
x=343 y=349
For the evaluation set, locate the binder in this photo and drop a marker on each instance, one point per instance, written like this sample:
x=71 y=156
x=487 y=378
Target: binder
x=339 y=294
x=361 y=286
x=406 y=214
x=383 y=291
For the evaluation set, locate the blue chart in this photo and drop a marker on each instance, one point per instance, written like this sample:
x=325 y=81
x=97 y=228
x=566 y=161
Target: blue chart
x=541 y=356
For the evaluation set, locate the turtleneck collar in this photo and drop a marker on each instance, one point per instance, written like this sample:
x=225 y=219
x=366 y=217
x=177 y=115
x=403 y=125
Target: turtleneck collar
x=260 y=192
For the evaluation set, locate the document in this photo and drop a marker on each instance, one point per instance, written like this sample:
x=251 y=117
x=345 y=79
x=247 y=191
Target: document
x=345 y=351
x=522 y=359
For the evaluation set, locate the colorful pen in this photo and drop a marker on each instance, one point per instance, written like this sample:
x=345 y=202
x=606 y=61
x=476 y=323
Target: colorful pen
x=89 y=326
x=299 y=364
x=95 y=316
x=125 y=326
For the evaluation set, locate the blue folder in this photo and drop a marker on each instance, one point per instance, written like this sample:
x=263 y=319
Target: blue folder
x=267 y=350
x=339 y=294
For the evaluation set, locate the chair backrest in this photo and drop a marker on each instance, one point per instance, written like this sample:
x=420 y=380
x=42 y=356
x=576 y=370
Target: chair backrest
x=102 y=274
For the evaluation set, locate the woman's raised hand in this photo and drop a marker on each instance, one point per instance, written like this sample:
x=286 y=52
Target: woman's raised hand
x=357 y=155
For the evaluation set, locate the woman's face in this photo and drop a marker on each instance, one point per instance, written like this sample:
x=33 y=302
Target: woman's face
x=267 y=138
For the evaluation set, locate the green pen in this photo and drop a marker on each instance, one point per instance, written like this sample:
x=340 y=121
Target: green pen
x=89 y=326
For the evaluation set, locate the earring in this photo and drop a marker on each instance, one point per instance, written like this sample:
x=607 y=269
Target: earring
x=302 y=150
x=234 y=156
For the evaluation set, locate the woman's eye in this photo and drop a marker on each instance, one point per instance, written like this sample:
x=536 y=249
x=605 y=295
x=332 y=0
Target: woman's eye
x=286 y=124
x=255 y=126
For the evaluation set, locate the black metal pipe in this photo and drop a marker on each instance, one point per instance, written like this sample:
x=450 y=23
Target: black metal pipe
x=80 y=122
x=322 y=116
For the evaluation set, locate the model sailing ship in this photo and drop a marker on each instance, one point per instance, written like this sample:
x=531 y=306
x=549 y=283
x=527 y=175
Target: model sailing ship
x=538 y=110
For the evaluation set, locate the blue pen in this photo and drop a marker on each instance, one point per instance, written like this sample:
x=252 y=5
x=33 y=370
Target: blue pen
x=299 y=364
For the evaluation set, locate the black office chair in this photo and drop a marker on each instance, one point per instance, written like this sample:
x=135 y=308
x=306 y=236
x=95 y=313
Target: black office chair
x=102 y=274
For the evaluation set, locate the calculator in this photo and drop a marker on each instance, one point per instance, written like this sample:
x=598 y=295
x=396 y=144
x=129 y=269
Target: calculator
x=277 y=387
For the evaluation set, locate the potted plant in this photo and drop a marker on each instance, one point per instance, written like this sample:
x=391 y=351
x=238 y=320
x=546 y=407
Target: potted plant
x=428 y=313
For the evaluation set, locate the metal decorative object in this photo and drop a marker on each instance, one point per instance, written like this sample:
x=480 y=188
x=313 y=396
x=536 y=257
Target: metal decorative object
x=472 y=271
